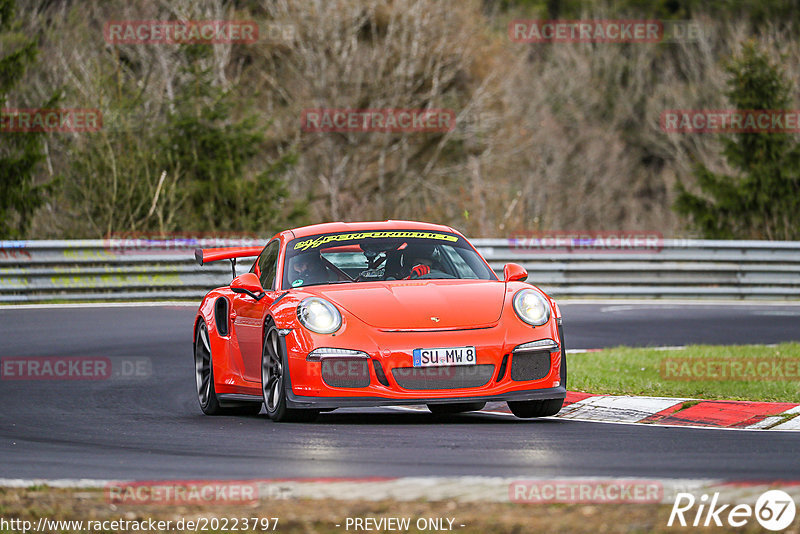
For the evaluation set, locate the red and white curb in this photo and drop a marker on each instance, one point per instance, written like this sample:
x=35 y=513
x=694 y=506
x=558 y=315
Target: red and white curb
x=668 y=411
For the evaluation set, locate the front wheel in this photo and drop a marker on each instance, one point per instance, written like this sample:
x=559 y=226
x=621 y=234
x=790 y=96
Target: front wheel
x=456 y=407
x=272 y=382
x=535 y=408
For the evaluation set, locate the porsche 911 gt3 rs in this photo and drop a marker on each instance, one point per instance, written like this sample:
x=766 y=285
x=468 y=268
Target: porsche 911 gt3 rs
x=372 y=314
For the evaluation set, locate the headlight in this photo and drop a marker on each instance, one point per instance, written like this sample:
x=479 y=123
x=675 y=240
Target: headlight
x=531 y=307
x=319 y=315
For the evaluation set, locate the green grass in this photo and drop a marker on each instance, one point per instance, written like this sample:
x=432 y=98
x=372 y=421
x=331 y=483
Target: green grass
x=669 y=373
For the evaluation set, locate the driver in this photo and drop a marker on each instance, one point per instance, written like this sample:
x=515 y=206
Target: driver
x=307 y=269
x=417 y=260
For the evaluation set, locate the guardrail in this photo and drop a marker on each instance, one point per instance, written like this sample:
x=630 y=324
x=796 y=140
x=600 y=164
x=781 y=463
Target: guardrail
x=44 y=271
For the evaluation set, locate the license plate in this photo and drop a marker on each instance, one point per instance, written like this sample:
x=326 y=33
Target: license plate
x=444 y=356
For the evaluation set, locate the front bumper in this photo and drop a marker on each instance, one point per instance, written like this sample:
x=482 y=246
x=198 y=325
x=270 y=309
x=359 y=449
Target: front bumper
x=301 y=401
x=386 y=353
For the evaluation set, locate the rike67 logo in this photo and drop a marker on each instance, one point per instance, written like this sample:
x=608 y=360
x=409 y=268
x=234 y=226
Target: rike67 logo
x=774 y=510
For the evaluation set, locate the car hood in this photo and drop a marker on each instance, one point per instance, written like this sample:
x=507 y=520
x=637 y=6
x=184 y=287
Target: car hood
x=420 y=304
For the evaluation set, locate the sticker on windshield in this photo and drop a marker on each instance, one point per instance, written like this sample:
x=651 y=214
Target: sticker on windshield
x=324 y=239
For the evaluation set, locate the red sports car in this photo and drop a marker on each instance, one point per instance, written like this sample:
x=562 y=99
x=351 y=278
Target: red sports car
x=375 y=313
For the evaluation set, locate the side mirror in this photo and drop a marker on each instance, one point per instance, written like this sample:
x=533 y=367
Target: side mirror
x=513 y=271
x=248 y=284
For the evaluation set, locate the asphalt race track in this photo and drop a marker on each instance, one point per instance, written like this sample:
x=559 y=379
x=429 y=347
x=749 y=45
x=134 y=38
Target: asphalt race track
x=150 y=427
x=595 y=326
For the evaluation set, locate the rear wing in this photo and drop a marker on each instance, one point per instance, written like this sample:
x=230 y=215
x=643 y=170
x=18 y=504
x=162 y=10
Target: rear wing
x=208 y=255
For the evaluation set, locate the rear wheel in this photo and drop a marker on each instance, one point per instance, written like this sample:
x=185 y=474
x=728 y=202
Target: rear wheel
x=535 y=408
x=272 y=382
x=203 y=373
x=456 y=407
x=204 y=379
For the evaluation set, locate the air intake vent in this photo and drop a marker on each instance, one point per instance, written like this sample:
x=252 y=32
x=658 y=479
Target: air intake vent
x=501 y=374
x=455 y=377
x=345 y=372
x=379 y=374
x=530 y=365
x=221 y=315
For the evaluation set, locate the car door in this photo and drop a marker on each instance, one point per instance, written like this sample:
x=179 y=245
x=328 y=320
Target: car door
x=248 y=313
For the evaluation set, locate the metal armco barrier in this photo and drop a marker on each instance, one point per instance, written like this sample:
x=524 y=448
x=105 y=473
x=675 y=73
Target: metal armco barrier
x=44 y=271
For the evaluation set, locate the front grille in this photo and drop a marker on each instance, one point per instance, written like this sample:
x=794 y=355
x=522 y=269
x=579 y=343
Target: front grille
x=530 y=365
x=454 y=377
x=345 y=372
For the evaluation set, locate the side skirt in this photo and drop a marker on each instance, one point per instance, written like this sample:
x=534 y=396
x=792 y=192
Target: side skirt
x=234 y=400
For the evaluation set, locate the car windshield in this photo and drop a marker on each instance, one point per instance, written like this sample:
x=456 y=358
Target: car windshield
x=380 y=256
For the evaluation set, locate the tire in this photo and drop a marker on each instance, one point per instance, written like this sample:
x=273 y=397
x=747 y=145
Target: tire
x=273 y=364
x=204 y=379
x=535 y=408
x=456 y=407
